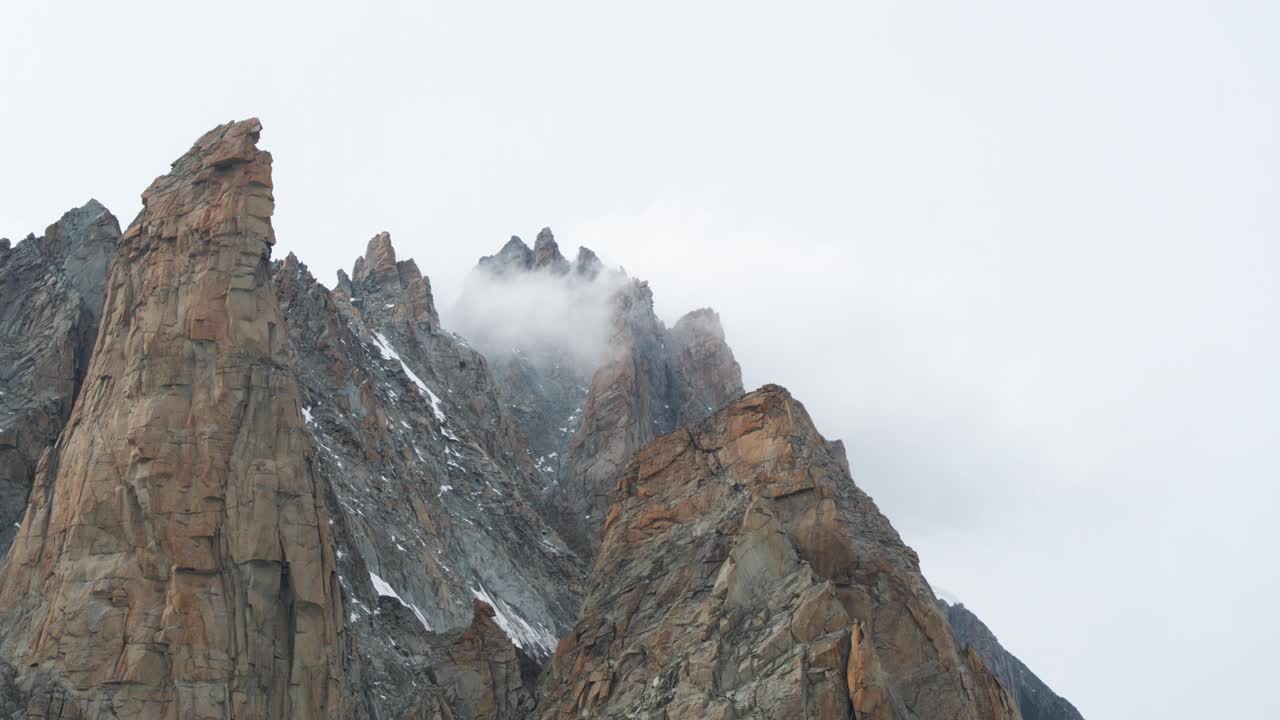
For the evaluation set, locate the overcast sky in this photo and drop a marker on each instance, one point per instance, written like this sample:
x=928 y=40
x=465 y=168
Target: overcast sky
x=1022 y=257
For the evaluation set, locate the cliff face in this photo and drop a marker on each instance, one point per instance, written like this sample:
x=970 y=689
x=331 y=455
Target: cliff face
x=651 y=382
x=1033 y=697
x=51 y=290
x=174 y=559
x=275 y=500
x=427 y=484
x=587 y=399
x=743 y=574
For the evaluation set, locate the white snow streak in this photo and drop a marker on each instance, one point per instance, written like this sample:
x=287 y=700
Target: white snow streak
x=390 y=353
x=382 y=588
x=520 y=632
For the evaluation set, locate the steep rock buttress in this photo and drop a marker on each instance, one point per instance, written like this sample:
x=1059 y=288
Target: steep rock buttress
x=51 y=290
x=743 y=574
x=174 y=559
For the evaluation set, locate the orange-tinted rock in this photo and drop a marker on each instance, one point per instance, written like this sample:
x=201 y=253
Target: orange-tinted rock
x=174 y=560
x=382 y=287
x=743 y=574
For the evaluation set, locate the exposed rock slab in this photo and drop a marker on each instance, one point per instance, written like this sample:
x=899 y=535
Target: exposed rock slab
x=174 y=559
x=428 y=489
x=742 y=574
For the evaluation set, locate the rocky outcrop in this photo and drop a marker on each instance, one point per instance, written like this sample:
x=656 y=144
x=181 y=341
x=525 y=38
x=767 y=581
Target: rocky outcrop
x=584 y=414
x=486 y=672
x=653 y=382
x=1033 y=697
x=174 y=559
x=546 y=254
x=429 y=491
x=273 y=500
x=743 y=574
x=378 y=281
x=474 y=674
x=51 y=290
x=706 y=374
x=514 y=257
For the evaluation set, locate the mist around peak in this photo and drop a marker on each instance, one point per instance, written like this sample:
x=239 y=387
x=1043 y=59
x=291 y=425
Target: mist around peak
x=535 y=303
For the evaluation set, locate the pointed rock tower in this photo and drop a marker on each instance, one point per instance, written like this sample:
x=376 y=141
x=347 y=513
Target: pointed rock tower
x=174 y=560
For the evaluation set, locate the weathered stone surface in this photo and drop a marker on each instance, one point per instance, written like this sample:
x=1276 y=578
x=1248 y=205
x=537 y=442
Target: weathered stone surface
x=515 y=256
x=51 y=290
x=1033 y=697
x=708 y=375
x=652 y=382
x=378 y=281
x=546 y=254
x=584 y=416
x=428 y=493
x=743 y=574
x=485 y=670
x=174 y=559
x=276 y=500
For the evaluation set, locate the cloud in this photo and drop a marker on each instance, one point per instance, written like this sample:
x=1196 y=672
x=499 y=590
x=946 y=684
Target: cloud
x=541 y=313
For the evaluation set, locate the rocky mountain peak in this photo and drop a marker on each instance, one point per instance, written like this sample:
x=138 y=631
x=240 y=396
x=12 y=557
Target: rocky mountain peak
x=514 y=257
x=51 y=293
x=587 y=264
x=546 y=254
x=378 y=264
x=741 y=573
x=382 y=286
x=251 y=496
x=174 y=559
x=517 y=257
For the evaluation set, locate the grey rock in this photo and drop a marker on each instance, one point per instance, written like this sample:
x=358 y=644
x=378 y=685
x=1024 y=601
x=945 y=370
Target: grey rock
x=1034 y=698
x=428 y=488
x=51 y=294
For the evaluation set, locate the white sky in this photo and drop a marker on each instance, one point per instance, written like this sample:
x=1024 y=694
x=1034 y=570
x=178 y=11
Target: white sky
x=1021 y=256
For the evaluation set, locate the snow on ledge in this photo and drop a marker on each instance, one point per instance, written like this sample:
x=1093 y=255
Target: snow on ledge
x=389 y=353
x=384 y=589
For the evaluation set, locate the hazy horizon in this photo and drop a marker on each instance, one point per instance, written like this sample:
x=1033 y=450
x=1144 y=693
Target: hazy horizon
x=1022 y=260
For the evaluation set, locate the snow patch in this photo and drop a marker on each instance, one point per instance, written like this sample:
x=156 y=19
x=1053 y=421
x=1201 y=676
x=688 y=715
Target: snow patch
x=389 y=353
x=521 y=632
x=381 y=587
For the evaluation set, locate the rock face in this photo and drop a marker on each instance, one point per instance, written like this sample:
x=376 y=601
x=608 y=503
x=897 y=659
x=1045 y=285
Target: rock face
x=1033 y=697
x=653 y=382
x=261 y=498
x=398 y=286
x=585 y=413
x=428 y=486
x=174 y=559
x=51 y=291
x=743 y=574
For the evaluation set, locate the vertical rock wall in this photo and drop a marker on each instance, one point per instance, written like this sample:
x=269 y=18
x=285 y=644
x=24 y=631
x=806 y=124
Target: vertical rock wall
x=174 y=560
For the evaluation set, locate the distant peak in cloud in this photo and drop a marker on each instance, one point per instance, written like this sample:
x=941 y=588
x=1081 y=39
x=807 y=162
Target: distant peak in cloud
x=535 y=300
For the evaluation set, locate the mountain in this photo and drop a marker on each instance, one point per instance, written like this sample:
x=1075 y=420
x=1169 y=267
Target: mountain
x=174 y=558
x=1033 y=697
x=427 y=485
x=743 y=574
x=244 y=494
x=51 y=291
x=589 y=370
